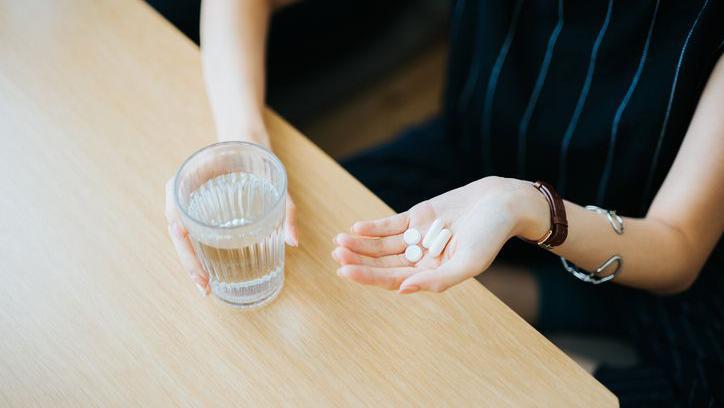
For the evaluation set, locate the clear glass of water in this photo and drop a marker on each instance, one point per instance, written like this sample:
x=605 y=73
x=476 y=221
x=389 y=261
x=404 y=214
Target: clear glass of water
x=231 y=199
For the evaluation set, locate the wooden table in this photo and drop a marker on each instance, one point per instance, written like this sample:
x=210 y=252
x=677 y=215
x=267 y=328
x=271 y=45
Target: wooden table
x=100 y=101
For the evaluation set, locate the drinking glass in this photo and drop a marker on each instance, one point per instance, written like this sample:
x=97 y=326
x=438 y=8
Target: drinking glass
x=231 y=199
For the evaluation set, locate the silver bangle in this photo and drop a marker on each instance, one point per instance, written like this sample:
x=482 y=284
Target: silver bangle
x=614 y=219
x=595 y=277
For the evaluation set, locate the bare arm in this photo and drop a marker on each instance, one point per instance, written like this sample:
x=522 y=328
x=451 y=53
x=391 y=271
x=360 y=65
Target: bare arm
x=662 y=252
x=233 y=44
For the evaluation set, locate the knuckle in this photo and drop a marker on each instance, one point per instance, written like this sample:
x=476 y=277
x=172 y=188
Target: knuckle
x=437 y=287
x=390 y=282
x=198 y=278
x=197 y=273
x=402 y=259
x=398 y=281
x=389 y=243
x=391 y=286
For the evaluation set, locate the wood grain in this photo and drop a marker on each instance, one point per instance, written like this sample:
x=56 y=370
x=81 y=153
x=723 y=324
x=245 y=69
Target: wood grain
x=100 y=101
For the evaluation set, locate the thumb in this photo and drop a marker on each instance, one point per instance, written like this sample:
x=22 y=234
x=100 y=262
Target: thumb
x=291 y=233
x=439 y=279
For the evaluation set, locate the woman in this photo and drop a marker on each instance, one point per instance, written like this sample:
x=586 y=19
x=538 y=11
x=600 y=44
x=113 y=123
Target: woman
x=614 y=104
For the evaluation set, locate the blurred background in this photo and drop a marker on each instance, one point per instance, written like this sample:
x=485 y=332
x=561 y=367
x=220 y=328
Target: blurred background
x=335 y=64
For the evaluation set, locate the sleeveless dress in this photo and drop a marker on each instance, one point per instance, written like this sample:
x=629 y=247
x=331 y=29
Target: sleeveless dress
x=595 y=97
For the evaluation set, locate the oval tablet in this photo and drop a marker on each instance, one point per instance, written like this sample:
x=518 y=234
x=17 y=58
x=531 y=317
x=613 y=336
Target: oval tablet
x=435 y=229
x=411 y=236
x=413 y=253
x=440 y=241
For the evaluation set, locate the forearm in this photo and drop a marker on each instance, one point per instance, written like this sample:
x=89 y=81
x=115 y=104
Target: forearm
x=233 y=39
x=664 y=251
x=656 y=256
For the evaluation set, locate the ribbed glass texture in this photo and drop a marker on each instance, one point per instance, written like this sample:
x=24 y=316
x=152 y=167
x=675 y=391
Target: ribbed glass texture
x=231 y=198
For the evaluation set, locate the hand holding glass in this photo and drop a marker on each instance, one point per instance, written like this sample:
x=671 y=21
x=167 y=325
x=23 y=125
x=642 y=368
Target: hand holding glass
x=230 y=197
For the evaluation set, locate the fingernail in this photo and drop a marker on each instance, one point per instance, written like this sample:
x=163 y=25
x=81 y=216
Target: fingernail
x=340 y=273
x=202 y=290
x=334 y=239
x=334 y=256
x=176 y=229
x=408 y=289
x=290 y=238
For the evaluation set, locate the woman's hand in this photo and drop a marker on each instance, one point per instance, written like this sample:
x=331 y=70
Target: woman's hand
x=482 y=216
x=186 y=254
x=233 y=41
x=180 y=239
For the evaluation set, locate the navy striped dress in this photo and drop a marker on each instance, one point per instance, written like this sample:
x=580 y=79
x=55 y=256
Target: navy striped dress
x=596 y=97
x=602 y=89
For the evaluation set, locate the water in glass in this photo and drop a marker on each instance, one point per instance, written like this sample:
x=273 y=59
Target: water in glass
x=244 y=269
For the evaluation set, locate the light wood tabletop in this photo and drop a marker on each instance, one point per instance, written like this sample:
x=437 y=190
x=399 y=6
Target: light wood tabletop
x=100 y=101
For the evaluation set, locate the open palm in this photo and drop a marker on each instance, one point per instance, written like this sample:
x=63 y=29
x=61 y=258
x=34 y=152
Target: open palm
x=479 y=217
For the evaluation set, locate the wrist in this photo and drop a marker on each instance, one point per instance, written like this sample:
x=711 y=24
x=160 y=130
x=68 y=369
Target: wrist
x=254 y=132
x=521 y=207
x=531 y=211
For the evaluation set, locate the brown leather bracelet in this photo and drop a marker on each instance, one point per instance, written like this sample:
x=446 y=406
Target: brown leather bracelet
x=559 y=224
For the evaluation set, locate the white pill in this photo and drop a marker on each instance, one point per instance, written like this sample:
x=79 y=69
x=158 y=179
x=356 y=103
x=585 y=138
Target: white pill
x=439 y=243
x=411 y=236
x=435 y=229
x=413 y=253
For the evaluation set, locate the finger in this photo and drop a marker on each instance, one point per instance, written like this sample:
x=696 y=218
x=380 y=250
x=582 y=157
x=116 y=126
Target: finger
x=443 y=277
x=170 y=209
x=188 y=258
x=387 y=278
x=392 y=225
x=180 y=240
x=291 y=234
x=372 y=246
x=346 y=257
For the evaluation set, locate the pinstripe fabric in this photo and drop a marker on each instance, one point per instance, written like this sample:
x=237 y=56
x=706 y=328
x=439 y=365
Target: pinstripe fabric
x=659 y=143
x=533 y=101
x=492 y=84
x=603 y=183
x=585 y=99
x=474 y=72
x=457 y=19
x=565 y=144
